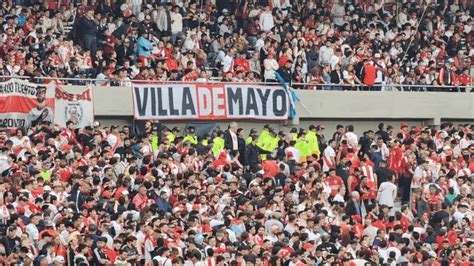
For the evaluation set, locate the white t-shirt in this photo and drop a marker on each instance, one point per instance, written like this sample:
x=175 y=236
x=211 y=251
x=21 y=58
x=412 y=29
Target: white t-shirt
x=386 y=191
x=458 y=216
x=328 y=154
x=227 y=63
x=389 y=250
x=33 y=232
x=351 y=138
x=266 y=21
x=3 y=163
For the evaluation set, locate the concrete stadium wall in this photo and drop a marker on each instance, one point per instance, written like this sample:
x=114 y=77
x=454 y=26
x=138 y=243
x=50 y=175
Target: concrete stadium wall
x=362 y=109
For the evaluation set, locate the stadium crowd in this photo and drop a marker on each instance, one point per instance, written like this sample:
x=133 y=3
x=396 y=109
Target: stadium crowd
x=370 y=44
x=112 y=196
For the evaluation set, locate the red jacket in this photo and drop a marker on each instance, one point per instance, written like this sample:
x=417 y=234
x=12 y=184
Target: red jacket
x=370 y=73
x=270 y=168
x=395 y=160
x=70 y=137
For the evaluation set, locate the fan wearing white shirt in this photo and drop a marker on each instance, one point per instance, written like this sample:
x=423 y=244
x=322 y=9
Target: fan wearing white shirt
x=387 y=193
x=350 y=137
x=266 y=20
x=462 y=212
x=329 y=156
x=32 y=230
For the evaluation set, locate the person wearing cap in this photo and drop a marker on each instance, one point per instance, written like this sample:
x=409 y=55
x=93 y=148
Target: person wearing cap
x=285 y=71
x=269 y=144
x=11 y=240
x=252 y=154
x=265 y=134
x=173 y=134
x=302 y=146
x=218 y=144
x=312 y=140
x=253 y=132
x=270 y=65
x=154 y=140
x=191 y=137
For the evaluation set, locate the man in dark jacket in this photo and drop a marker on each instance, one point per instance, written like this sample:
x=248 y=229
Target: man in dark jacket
x=353 y=205
x=285 y=72
x=78 y=197
x=252 y=154
x=162 y=203
x=382 y=133
x=231 y=139
x=366 y=142
x=11 y=242
x=242 y=144
x=87 y=29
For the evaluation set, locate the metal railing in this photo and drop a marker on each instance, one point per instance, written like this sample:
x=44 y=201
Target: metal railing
x=304 y=85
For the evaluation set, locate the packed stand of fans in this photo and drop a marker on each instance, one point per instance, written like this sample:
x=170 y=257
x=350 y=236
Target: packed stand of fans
x=112 y=196
x=368 y=45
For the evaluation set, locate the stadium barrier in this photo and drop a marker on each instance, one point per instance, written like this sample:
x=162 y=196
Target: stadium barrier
x=116 y=103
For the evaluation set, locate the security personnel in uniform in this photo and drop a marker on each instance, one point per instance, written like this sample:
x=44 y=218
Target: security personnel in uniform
x=190 y=137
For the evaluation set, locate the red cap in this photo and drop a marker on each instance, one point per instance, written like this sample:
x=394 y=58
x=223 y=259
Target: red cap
x=404 y=124
x=20 y=210
x=107 y=194
x=349 y=156
x=357 y=218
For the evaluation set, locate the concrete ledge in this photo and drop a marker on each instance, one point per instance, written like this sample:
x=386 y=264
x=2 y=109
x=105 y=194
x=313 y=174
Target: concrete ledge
x=434 y=106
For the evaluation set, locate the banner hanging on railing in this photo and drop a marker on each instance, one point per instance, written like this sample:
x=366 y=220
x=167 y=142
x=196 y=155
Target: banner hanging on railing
x=209 y=102
x=78 y=108
x=24 y=104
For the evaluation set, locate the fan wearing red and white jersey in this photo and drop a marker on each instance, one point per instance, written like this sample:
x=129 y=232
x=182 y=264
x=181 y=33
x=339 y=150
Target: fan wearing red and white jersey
x=329 y=156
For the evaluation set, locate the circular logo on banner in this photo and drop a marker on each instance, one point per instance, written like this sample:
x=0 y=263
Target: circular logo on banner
x=74 y=113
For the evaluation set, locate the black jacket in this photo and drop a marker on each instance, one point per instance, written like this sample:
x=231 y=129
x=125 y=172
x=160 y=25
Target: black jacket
x=87 y=26
x=251 y=156
x=242 y=144
x=285 y=73
x=228 y=141
x=336 y=77
x=383 y=134
x=351 y=208
x=78 y=198
x=10 y=244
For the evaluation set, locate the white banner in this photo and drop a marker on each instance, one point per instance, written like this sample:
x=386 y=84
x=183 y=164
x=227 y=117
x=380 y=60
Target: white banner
x=209 y=102
x=78 y=108
x=24 y=104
